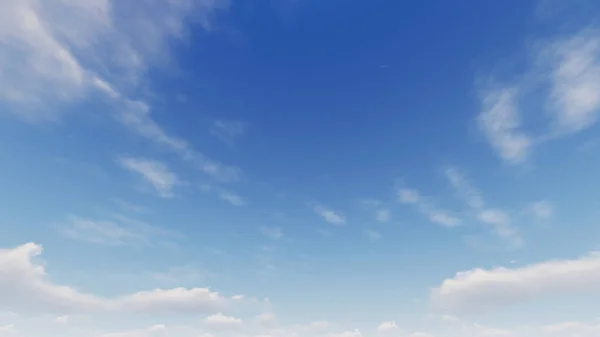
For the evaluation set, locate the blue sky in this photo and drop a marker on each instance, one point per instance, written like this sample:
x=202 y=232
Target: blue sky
x=299 y=168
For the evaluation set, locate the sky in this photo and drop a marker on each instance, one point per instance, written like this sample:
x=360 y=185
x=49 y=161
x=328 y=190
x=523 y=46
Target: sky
x=299 y=168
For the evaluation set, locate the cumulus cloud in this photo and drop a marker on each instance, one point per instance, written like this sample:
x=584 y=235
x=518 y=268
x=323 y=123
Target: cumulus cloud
x=387 y=326
x=24 y=285
x=478 y=290
x=222 y=322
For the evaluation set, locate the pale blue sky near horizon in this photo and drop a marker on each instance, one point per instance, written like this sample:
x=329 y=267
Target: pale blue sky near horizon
x=402 y=168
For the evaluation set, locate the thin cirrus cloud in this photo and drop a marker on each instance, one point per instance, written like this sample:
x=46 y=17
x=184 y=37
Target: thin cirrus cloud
x=154 y=172
x=25 y=285
x=47 y=60
x=273 y=233
x=228 y=131
x=224 y=194
x=118 y=230
x=499 y=220
x=481 y=290
x=329 y=215
x=436 y=215
x=567 y=70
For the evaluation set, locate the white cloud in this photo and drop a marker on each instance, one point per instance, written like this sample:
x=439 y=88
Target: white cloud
x=463 y=187
x=479 y=289
x=387 y=326
x=273 y=233
x=578 y=329
x=574 y=70
x=383 y=215
x=65 y=319
x=228 y=131
x=408 y=196
x=355 y=333
x=7 y=330
x=542 y=210
x=498 y=219
x=232 y=198
x=120 y=230
x=434 y=214
x=566 y=72
x=223 y=194
x=373 y=235
x=154 y=172
x=220 y=321
x=24 y=285
x=500 y=122
x=329 y=215
x=57 y=52
x=266 y=318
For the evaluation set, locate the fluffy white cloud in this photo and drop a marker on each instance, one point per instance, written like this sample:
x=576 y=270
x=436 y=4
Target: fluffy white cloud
x=24 y=285
x=387 y=326
x=479 y=289
x=156 y=173
x=220 y=321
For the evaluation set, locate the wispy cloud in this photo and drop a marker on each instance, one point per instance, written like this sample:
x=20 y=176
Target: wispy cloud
x=228 y=131
x=498 y=219
x=573 y=65
x=273 y=233
x=381 y=212
x=224 y=194
x=373 y=235
x=48 y=60
x=118 y=230
x=329 y=215
x=500 y=122
x=563 y=82
x=154 y=172
x=541 y=210
x=441 y=217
